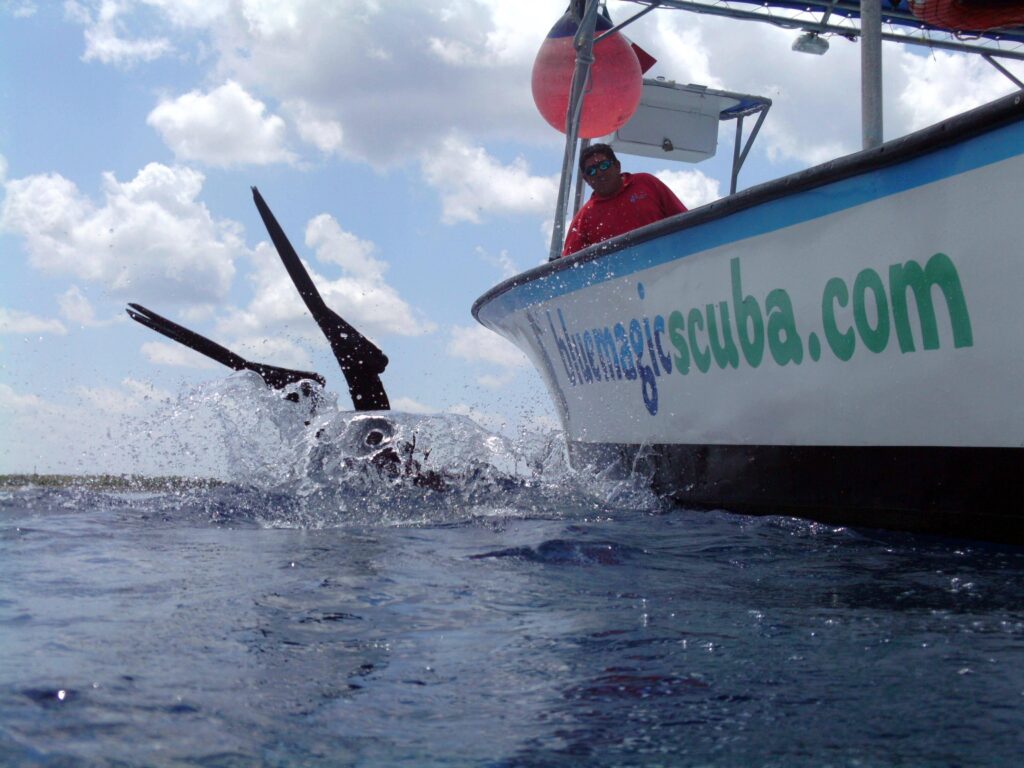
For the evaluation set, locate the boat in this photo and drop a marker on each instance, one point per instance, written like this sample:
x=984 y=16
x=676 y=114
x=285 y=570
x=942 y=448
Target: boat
x=842 y=344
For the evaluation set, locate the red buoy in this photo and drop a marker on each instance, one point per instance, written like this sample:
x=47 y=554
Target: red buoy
x=975 y=16
x=616 y=81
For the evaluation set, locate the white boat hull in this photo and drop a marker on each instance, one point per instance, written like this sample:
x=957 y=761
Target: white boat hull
x=843 y=344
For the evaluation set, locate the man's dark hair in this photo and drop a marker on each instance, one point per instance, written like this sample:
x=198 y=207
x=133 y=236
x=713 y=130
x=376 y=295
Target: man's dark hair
x=597 y=149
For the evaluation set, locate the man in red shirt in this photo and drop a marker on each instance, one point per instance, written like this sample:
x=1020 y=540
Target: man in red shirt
x=621 y=201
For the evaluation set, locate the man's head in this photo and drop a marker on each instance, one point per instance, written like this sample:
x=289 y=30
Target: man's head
x=600 y=169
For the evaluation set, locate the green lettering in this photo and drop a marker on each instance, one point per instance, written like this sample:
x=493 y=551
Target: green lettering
x=747 y=310
x=842 y=344
x=875 y=338
x=701 y=357
x=939 y=271
x=724 y=349
x=675 y=334
x=783 y=340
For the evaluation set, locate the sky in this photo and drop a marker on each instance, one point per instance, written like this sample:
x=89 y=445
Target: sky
x=397 y=143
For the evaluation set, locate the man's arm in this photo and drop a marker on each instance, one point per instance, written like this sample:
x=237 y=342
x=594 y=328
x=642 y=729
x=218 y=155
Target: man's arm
x=670 y=204
x=572 y=243
x=576 y=240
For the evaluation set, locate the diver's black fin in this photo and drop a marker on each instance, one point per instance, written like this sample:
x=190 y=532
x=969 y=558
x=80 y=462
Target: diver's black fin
x=275 y=377
x=360 y=360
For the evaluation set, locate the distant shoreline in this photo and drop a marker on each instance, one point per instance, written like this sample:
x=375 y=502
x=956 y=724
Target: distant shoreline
x=107 y=482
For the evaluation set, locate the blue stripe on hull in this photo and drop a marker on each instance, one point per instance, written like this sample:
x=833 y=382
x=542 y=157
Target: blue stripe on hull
x=783 y=211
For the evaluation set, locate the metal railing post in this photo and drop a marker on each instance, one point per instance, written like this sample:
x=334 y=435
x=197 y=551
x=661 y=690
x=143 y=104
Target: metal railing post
x=584 y=43
x=871 y=72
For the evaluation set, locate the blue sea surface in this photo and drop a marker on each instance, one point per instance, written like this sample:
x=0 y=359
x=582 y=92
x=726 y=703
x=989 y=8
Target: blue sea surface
x=519 y=613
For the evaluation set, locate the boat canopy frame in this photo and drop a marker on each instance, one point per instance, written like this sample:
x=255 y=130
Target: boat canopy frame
x=843 y=18
x=748 y=106
x=858 y=19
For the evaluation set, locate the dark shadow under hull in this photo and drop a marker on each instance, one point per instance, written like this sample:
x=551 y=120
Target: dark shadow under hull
x=961 y=492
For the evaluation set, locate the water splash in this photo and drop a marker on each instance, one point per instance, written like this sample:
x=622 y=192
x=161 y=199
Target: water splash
x=302 y=461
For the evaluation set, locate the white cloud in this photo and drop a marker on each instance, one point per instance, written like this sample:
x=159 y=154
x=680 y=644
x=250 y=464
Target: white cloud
x=150 y=239
x=198 y=312
x=225 y=127
x=476 y=343
x=492 y=381
x=75 y=307
x=19 y=9
x=105 y=30
x=692 y=187
x=471 y=182
x=124 y=428
x=275 y=301
x=162 y=353
x=516 y=30
x=192 y=13
x=361 y=295
x=273 y=351
x=410 y=405
x=815 y=115
x=336 y=246
x=12 y=400
x=502 y=261
x=683 y=55
x=322 y=132
x=452 y=52
x=341 y=70
x=15 y=321
x=935 y=85
x=131 y=397
x=812 y=117
x=92 y=429
x=348 y=62
x=144 y=390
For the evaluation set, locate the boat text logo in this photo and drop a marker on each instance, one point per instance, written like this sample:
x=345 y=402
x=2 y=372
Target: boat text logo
x=871 y=314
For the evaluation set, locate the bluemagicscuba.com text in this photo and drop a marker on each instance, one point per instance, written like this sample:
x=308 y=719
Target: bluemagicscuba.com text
x=868 y=314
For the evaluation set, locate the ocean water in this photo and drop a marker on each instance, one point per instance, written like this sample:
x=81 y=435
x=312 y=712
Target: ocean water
x=349 y=598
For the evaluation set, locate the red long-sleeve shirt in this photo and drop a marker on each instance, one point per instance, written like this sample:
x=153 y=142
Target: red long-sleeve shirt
x=642 y=200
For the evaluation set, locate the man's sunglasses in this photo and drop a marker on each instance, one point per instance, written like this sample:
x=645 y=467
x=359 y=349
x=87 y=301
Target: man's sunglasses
x=591 y=170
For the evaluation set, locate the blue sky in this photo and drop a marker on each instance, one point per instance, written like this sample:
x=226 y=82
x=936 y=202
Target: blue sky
x=397 y=143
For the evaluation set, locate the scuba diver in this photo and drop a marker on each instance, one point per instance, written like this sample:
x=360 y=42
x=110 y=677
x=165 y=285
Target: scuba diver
x=361 y=362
